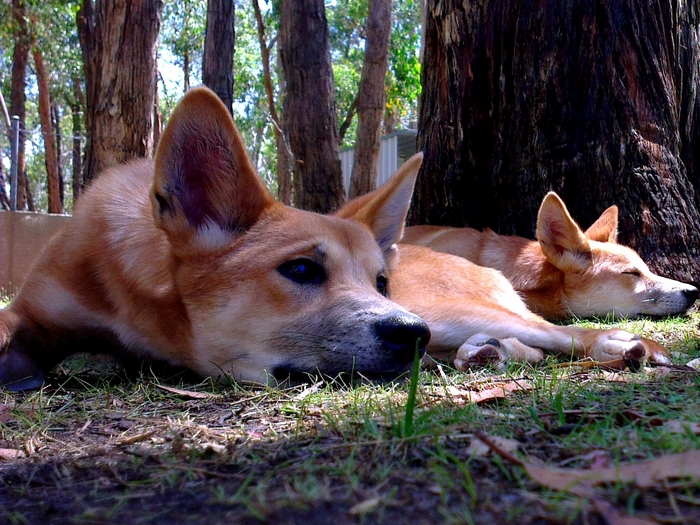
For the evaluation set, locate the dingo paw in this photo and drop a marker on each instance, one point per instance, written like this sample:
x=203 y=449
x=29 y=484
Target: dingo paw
x=621 y=349
x=479 y=350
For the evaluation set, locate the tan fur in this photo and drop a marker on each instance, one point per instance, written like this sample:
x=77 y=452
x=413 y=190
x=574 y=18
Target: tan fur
x=566 y=271
x=189 y=260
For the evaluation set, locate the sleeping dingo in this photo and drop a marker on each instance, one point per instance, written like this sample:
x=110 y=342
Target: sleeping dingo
x=188 y=260
x=566 y=272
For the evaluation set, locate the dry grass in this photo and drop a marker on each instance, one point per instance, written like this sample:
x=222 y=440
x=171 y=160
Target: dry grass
x=98 y=446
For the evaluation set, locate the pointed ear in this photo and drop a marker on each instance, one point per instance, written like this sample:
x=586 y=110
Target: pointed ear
x=384 y=210
x=204 y=181
x=562 y=241
x=605 y=228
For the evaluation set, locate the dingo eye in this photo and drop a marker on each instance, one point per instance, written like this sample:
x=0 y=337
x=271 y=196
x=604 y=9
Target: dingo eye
x=635 y=273
x=303 y=271
x=382 y=285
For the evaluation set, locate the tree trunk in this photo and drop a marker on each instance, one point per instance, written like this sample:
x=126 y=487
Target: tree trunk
x=582 y=98
x=77 y=103
x=284 y=174
x=47 y=131
x=18 y=97
x=56 y=126
x=217 y=64
x=118 y=41
x=309 y=105
x=370 y=100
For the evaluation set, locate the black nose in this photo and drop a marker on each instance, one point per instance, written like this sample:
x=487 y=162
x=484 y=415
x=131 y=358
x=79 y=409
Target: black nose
x=691 y=294
x=399 y=334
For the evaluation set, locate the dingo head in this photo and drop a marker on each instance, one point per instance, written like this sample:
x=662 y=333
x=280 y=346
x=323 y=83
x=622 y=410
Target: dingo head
x=270 y=291
x=602 y=277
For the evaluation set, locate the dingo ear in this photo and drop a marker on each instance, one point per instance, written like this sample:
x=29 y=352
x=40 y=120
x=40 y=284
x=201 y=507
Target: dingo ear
x=562 y=241
x=204 y=182
x=605 y=228
x=384 y=210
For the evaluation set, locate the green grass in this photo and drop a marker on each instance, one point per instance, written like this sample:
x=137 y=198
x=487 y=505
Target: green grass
x=103 y=447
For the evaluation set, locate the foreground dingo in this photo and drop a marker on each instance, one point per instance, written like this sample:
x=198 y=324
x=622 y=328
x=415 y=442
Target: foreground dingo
x=566 y=272
x=188 y=260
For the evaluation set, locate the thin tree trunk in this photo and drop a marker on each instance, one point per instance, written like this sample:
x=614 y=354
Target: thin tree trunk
x=4 y=198
x=118 y=40
x=309 y=105
x=77 y=103
x=284 y=173
x=18 y=98
x=578 y=97
x=370 y=100
x=56 y=125
x=219 y=41
x=47 y=132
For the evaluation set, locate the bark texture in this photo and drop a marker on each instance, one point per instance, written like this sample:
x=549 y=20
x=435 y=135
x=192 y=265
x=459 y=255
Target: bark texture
x=284 y=171
x=217 y=64
x=18 y=97
x=594 y=100
x=77 y=103
x=371 y=98
x=50 y=155
x=309 y=106
x=118 y=41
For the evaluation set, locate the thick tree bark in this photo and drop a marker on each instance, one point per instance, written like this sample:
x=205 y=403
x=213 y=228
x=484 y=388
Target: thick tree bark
x=583 y=98
x=118 y=41
x=309 y=106
x=50 y=155
x=370 y=100
x=284 y=172
x=217 y=64
x=18 y=97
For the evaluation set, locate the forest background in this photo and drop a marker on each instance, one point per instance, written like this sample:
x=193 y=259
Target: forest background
x=598 y=101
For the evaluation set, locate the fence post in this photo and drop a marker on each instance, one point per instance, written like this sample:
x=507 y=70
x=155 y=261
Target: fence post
x=15 y=162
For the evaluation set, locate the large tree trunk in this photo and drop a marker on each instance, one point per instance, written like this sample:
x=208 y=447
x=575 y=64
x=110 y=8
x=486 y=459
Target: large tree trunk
x=583 y=98
x=370 y=100
x=284 y=173
x=50 y=156
x=18 y=97
x=217 y=64
x=118 y=41
x=309 y=106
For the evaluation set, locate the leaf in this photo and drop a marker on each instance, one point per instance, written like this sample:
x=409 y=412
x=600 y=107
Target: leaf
x=642 y=474
x=676 y=426
x=478 y=448
x=186 y=393
x=613 y=516
x=364 y=507
x=8 y=454
x=489 y=394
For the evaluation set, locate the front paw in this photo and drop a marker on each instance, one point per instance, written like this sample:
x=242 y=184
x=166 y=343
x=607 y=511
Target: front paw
x=620 y=349
x=479 y=351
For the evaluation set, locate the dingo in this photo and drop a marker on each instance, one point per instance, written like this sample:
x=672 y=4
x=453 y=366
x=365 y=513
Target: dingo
x=567 y=271
x=188 y=260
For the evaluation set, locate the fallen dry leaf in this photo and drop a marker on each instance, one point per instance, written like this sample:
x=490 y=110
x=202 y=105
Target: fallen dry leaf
x=364 y=507
x=676 y=426
x=185 y=393
x=8 y=454
x=489 y=394
x=643 y=474
x=478 y=448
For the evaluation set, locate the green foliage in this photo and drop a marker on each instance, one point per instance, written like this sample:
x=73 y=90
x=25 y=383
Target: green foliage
x=53 y=25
